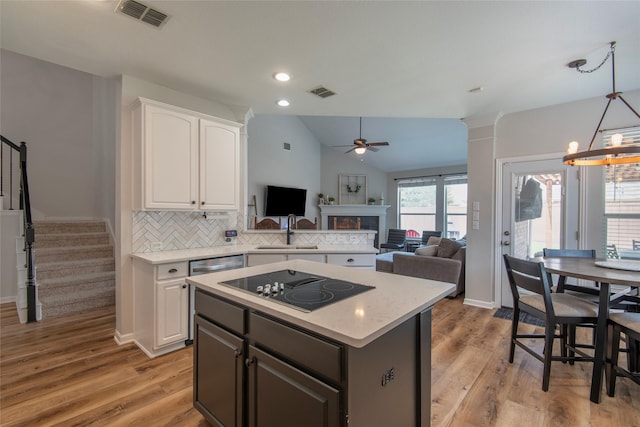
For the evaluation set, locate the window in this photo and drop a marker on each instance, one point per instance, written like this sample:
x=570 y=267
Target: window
x=455 y=191
x=622 y=202
x=434 y=203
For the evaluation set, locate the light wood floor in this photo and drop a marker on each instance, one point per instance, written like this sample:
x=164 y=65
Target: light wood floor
x=69 y=371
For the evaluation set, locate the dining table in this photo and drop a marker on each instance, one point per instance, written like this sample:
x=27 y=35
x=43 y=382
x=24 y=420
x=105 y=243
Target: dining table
x=606 y=272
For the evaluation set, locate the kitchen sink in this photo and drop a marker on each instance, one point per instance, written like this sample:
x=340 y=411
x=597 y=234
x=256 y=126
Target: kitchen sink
x=287 y=247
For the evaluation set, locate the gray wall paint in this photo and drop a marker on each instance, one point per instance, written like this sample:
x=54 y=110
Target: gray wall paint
x=269 y=163
x=336 y=163
x=67 y=119
x=308 y=165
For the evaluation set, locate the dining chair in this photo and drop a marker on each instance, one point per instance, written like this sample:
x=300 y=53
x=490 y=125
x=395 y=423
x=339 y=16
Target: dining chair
x=588 y=293
x=628 y=324
x=396 y=240
x=305 y=224
x=267 y=224
x=531 y=291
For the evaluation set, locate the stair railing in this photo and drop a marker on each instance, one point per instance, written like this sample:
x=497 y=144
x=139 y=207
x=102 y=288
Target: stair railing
x=25 y=206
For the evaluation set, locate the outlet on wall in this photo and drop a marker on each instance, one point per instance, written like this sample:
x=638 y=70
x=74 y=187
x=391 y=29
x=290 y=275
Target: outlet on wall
x=156 y=246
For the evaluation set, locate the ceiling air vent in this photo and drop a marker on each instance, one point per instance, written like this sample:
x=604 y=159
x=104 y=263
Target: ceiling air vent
x=322 y=92
x=142 y=12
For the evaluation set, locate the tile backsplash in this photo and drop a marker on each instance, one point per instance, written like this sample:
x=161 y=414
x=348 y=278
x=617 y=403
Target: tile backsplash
x=155 y=231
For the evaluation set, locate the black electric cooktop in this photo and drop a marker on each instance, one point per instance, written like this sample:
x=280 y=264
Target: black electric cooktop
x=297 y=289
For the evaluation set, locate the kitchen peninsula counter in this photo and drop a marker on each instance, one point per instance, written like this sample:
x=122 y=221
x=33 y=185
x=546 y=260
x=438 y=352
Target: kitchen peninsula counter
x=163 y=257
x=358 y=362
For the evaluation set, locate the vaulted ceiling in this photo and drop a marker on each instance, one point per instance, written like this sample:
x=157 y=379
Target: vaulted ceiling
x=384 y=59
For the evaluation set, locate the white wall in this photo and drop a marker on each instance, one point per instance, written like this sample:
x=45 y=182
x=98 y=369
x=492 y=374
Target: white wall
x=66 y=117
x=533 y=133
x=269 y=163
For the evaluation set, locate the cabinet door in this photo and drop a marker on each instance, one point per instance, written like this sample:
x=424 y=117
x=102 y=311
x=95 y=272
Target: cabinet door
x=259 y=259
x=218 y=374
x=172 y=317
x=219 y=166
x=281 y=395
x=170 y=159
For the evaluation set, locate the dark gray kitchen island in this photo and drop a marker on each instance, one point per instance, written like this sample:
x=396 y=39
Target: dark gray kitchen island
x=362 y=361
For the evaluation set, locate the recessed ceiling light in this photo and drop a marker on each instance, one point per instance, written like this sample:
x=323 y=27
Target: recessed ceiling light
x=282 y=77
x=283 y=103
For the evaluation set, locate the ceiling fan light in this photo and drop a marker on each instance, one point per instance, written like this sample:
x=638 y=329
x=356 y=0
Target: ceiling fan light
x=360 y=150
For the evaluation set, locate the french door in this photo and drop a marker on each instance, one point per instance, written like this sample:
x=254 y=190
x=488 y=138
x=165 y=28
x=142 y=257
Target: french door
x=539 y=210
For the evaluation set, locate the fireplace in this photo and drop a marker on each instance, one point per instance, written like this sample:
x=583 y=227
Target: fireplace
x=355 y=217
x=339 y=222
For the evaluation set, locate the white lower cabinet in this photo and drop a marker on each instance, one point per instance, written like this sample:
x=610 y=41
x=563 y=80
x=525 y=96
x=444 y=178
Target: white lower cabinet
x=172 y=305
x=356 y=260
x=161 y=300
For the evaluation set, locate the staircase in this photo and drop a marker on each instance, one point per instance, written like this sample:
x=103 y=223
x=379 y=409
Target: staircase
x=75 y=266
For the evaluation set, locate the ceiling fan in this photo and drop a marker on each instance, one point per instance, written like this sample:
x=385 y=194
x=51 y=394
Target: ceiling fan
x=361 y=145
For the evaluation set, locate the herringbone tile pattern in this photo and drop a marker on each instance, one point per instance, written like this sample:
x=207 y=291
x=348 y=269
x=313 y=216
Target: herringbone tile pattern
x=189 y=230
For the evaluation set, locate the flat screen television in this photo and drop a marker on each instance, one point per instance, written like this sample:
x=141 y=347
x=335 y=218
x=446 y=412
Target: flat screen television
x=282 y=201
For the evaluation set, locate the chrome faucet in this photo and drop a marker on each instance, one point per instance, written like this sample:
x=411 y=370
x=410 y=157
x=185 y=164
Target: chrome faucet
x=289 y=227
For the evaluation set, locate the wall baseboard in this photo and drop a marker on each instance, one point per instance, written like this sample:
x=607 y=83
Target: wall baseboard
x=9 y=299
x=479 y=303
x=121 y=339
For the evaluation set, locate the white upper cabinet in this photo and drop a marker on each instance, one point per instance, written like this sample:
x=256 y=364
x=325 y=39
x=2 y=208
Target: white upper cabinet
x=184 y=160
x=219 y=165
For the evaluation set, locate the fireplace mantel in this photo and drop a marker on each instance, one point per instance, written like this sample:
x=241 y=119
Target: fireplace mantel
x=356 y=210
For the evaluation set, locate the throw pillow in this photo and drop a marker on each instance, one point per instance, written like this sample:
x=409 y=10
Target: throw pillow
x=432 y=240
x=448 y=247
x=427 y=250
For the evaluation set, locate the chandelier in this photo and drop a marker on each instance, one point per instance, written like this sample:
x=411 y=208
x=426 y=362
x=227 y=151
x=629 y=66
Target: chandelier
x=618 y=152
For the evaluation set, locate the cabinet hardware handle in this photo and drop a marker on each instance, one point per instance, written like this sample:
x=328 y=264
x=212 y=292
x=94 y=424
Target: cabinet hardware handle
x=173 y=270
x=184 y=286
x=249 y=361
x=202 y=203
x=238 y=353
x=193 y=202
x=350 y=260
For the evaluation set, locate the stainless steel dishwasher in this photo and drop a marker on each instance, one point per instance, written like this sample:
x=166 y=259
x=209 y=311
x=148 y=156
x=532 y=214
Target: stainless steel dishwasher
x=205 y=266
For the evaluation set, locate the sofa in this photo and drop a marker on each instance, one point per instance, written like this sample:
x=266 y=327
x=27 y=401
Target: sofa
x=441 y=259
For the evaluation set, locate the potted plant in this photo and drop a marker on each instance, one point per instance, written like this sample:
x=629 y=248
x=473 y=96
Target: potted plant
x=371 y=200
x=320 y=199
x=331 y=199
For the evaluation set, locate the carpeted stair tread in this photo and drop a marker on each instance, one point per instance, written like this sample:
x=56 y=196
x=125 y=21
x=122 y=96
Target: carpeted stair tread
x=75 y=266
x=65 y=306
x=72 y=253
x=76 y=279
x=51 y=270
x=71 y=239
x=47 y=295
x=66 y=226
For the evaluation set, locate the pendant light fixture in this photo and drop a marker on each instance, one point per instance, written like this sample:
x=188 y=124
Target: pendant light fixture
x=618 y=152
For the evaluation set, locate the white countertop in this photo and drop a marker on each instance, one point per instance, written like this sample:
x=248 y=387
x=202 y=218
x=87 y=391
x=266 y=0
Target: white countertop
x=355 y=321
x=216 y=251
